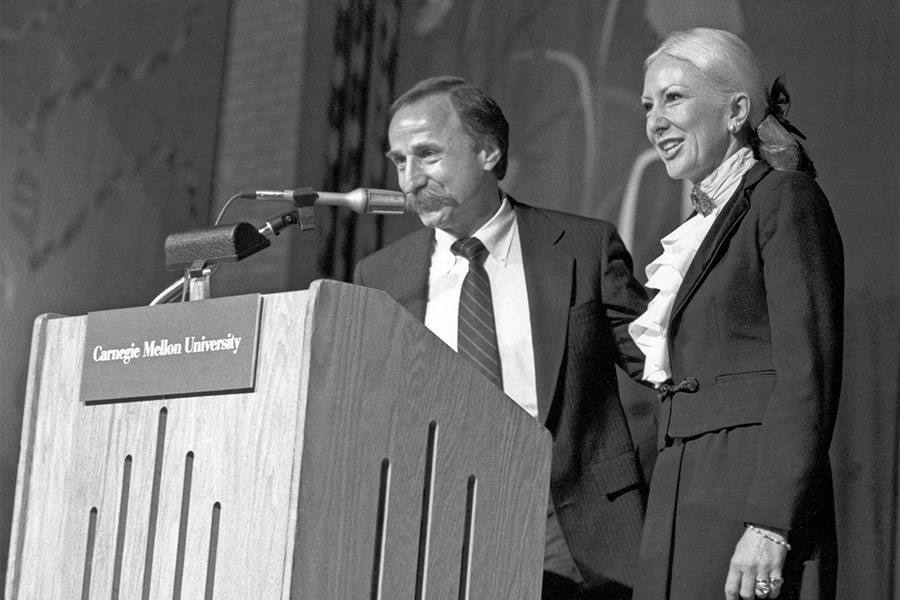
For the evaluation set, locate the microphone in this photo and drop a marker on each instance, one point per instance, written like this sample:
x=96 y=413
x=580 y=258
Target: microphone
x=366 y=200
x=360 y=200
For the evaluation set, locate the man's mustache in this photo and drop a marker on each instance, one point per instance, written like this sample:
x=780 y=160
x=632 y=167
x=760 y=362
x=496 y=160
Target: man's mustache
x=429 y=198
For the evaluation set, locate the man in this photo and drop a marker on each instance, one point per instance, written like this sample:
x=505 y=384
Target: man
x=562 y=294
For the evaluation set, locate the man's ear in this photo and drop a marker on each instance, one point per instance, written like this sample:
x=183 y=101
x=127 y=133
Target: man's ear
x=490 y=153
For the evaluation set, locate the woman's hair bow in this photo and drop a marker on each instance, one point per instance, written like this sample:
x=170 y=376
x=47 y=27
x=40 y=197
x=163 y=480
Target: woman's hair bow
x=779 y=103
x=776 y=145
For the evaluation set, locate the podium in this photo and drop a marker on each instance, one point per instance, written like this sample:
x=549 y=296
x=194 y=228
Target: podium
x=368 y=462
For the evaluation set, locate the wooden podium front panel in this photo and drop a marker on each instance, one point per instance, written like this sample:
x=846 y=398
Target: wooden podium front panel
x=401 y=427
x=370 y=462
x=180 y=498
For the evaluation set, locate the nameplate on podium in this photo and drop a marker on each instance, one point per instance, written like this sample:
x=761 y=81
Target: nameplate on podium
x=207 y=346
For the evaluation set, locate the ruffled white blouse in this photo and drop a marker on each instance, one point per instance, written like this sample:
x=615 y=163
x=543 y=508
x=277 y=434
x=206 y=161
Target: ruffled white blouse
x=666 y=273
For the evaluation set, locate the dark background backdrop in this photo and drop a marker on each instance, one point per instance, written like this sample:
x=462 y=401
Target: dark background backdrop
x=123 y=121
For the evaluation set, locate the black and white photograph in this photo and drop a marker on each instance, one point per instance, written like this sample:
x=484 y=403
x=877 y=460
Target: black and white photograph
x=470 y=299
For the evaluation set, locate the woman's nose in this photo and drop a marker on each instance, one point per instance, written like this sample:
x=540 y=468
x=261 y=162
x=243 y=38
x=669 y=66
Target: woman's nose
x=656 y=121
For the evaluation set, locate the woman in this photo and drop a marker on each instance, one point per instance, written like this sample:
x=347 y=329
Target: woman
x=743 y=339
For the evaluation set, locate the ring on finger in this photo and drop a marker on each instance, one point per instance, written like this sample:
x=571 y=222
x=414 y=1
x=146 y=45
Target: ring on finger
x=762 y=588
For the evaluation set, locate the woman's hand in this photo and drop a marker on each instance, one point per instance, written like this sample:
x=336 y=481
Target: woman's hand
x=755 y=569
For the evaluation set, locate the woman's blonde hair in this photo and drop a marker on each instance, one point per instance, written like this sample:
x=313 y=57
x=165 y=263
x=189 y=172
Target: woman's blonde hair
x=725 y=59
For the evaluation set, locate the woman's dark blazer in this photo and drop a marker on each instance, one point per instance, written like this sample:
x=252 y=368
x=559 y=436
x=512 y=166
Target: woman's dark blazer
x=758 y=322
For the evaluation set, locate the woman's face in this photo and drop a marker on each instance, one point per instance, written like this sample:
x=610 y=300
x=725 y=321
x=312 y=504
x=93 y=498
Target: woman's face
x=687 y=119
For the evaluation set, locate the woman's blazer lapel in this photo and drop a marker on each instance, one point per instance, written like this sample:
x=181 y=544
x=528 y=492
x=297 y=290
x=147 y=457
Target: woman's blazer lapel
x=712 y=246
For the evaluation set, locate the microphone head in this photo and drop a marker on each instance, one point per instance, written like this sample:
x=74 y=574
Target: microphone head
x=385 y=202
x=366 y=200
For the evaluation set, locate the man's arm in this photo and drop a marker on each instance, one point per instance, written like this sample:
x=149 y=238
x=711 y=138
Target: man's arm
x=624 y=300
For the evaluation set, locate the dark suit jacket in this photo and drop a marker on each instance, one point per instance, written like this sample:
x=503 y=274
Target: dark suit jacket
x=758 y=322
x=582 y=296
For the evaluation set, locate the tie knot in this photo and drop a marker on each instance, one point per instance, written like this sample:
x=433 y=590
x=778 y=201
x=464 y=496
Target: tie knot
x=469 y=248
x=701 y=201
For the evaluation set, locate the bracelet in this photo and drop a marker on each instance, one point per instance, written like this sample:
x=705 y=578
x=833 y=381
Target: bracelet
x=771 y=538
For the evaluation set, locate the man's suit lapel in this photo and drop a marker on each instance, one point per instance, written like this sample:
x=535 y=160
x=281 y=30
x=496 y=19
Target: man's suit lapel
x=712 y=245
x=548 y=278
x=411 y=266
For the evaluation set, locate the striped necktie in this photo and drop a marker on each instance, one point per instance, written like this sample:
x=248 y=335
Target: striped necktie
x=476 y=334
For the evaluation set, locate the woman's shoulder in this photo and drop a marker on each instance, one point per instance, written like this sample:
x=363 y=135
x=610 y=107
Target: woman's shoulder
x=793 y=183
x=779 y=191
x=792 y=200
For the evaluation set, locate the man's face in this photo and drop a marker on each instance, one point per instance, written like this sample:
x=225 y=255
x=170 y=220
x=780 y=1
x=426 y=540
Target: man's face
x=443 y=172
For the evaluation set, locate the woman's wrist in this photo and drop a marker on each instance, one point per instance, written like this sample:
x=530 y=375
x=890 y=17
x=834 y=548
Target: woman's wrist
x=772 y=536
